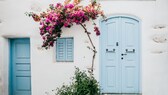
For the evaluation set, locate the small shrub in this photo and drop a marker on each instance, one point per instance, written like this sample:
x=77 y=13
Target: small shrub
x=82 y=84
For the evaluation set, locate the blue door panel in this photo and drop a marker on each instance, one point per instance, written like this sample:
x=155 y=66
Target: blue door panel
x=23 y=67
x=130 y=64
x=109 y=57
x=20 y=71
x=120 y=55
x=22 y=50
x=23 y=80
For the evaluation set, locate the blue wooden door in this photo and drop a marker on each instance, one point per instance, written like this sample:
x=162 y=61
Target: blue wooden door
x=120 y=55
x=20 y=72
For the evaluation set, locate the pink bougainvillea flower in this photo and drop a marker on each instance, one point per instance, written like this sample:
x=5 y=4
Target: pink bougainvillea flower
x=96 y=29
x=58 y=5
x=98 y=33
x=70 y=6
x=58 y=16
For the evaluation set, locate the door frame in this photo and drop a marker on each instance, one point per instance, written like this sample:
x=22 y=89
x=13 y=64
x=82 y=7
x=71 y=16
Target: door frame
x=140 y=46
x=10 y=62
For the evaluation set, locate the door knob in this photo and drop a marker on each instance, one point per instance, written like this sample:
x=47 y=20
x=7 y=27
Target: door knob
x=123 y=54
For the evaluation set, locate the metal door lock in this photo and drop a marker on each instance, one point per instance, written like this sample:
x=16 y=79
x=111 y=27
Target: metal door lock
x=123 y=54
x=117 y=44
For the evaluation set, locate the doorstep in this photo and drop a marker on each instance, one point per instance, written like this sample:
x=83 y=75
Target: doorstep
x=124 y=94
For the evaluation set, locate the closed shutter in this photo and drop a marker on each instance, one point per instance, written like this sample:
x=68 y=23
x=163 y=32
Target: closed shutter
x=64 y=49
x=69 y=49
x=60 y=49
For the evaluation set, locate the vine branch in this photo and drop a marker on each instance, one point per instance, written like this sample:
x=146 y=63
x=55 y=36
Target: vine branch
x=93 y=46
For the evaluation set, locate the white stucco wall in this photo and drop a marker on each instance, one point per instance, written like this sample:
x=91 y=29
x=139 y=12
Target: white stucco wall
x=47 y=74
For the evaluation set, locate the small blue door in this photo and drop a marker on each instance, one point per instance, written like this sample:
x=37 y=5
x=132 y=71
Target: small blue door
x=20 y=71
x=120 y=55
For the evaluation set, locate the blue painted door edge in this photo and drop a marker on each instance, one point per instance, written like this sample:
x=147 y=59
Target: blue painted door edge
x=10 y=67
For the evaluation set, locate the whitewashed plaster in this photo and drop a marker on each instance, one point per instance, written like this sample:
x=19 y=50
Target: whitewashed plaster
x=47 y=74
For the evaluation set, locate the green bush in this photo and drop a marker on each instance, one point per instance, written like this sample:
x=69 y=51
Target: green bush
x=82 y=84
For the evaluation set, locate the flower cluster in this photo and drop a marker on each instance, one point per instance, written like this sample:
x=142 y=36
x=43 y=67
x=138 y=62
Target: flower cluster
x=65 y=15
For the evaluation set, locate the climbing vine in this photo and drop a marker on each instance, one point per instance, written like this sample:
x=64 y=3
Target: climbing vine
x=66 y=15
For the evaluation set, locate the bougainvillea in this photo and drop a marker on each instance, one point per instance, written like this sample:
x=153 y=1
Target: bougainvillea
x=60 y=15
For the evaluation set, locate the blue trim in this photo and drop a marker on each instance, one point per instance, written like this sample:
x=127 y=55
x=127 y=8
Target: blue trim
x=140 y=45
x=10 y=67
x=140 y=55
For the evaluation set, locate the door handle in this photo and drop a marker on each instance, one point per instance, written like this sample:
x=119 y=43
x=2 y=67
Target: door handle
x=110 y=50
x=130 y=51
x=123 y=54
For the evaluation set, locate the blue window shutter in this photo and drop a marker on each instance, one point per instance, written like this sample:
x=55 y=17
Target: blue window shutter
x=64 y=49
x=69 y=49
x=60 y=51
